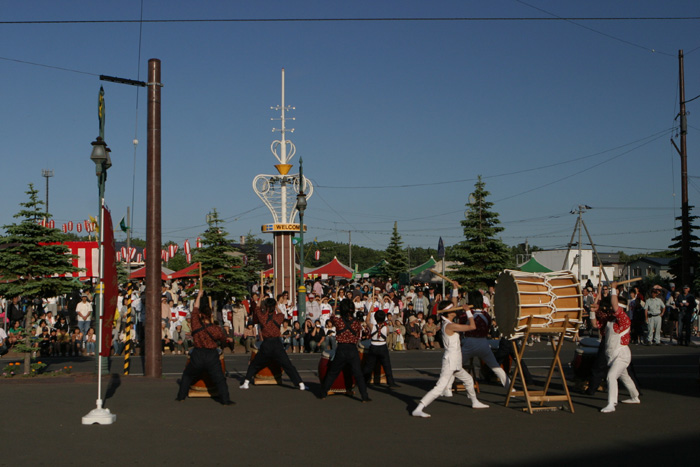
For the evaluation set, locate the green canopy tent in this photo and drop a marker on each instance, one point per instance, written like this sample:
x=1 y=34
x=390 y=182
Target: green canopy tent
x=427 y=265
x=376 y=270
x=533 y=266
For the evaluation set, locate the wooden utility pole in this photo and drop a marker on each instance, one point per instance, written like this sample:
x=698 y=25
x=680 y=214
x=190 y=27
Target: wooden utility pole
x=683 y=152
x=154 y=358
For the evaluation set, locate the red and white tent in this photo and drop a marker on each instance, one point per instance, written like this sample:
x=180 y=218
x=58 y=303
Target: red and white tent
x=88 y=258
x=333 y=269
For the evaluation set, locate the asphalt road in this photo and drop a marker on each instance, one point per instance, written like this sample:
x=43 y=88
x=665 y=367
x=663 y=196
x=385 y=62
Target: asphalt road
x=280 y=424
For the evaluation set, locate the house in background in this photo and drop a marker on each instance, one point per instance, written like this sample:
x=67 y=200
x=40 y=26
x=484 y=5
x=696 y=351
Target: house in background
x=649 y=266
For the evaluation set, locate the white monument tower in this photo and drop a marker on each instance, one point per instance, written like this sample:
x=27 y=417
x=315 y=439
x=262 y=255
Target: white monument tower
x=278 y=192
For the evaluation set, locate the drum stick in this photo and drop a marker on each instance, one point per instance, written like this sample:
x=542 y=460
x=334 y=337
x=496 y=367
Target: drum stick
x=629 y=281
x=440 y=275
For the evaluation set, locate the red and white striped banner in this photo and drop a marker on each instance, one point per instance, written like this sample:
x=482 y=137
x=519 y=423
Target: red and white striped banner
x=122 y=253
x=187 y=247
x=199 y=242
x=65 y=228
x=139 y=257
x=172 y=250
x=189 y=257
x=119 y=255
x=79 y=227
x=88 y=226
x=269 y=258
x=132 y=253
x=70 y=226
x=144 y=255
x=52 y=224
x=87 y=257
x=317 y=255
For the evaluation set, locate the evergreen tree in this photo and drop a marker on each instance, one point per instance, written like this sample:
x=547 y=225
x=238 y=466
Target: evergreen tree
x=30 y=256
x=395 y=256
x=224 y=277
x=482 y=254
x=675 y=266
x=252 y=265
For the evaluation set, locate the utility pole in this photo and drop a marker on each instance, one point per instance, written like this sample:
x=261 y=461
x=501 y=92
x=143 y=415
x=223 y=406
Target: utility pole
x=46 y=173
x=579 y=225
x=683 y=152
x=154 y=359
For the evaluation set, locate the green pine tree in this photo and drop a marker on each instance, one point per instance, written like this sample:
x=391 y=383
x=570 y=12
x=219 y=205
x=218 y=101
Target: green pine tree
x=224 y=277
x=252 y=265
x=30 y=256
x=676 y=266
x=482 y=255
x=395 y=256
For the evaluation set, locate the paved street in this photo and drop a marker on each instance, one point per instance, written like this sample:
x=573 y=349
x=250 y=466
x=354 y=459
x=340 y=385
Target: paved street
x=280 y=424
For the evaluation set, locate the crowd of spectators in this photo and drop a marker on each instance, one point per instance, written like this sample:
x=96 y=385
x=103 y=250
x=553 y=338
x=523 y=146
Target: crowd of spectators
x=65 y=326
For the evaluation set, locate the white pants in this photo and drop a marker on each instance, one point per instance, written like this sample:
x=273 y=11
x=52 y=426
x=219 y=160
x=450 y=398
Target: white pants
x=618 y=370
x=451 y=368
x=479 y=347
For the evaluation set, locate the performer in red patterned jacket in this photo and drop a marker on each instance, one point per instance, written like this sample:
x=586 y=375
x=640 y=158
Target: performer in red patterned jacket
x=617 y=352
x=204 y=356
x=270 y=318
x=348 y=331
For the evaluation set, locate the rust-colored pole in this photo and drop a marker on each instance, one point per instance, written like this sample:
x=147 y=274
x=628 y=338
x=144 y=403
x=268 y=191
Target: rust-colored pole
x=154 y=359
x=685 y=208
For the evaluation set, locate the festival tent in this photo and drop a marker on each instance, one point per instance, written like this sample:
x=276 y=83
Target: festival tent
x=427 y=265
x=140 y=273
x=190 y=271
x=333 y=269
x=533 y=266
x=376 y=270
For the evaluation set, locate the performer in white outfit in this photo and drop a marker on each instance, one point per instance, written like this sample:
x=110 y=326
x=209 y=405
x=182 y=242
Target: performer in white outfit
x=475 y=343
x=452 y=359
x=617 y=352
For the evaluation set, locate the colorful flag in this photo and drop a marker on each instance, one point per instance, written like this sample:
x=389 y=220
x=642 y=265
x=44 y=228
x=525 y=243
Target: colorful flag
x=111 y=284
x=122 y=225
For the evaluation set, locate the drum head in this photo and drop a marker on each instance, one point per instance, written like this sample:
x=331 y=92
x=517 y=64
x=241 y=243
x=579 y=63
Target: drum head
x=507 y=303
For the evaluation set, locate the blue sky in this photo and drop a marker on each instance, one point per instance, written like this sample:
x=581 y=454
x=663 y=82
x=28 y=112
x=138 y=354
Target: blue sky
x=394 y=120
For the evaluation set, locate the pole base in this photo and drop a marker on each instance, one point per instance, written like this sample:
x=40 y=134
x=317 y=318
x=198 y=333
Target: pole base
x=99 y=416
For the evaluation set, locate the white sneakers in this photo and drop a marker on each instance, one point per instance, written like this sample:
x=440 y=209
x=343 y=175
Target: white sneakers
x=479 y=405
x=447 y=393
x=608 y=409
x=302 y=387
x=245 y=385
x=418 y=411
x=632 y=400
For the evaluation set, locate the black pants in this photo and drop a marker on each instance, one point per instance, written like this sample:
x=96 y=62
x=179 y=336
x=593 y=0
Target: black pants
x=272 y=349
x=346 y=354
x=204 y=360
x=381 y=353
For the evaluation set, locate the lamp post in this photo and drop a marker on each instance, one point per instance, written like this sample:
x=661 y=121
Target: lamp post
x=100 y=156
x=301 y=207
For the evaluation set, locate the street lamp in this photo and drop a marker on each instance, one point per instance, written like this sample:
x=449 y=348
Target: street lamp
x=301 y=207
x=100 y=156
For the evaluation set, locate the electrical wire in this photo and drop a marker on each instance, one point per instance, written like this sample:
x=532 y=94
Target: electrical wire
x=25 y=62
x=610 y=36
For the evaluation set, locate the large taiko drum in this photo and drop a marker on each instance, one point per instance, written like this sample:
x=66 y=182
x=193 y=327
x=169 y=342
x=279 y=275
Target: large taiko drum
x=548 y=299
x=270 y=374
x=343 y=384
x=204 y=386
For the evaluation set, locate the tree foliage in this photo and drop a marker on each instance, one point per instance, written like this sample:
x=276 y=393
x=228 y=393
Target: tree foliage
x=224 y=277
x=676 y=265
x=31 y=255
x=252 y=264
x=395 y=256
x=482 y=255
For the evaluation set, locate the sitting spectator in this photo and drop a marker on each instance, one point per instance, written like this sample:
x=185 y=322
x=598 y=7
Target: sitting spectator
x=62 y=324
x=413 y=332
x=76 y=343
x=45 y=343
x=286 y=334
x=187 y=331
x=316 y=337
x=297 y=338
x=250 y=335
x=308 y=327
x=53 y=343
x=90 y=342
x=166 y=339
x=119 y=342
x=429 y=333
x=180 y=342
x=330 y=343
x=63 y=342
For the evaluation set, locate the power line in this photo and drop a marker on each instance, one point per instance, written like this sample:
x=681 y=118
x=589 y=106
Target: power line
x=48 y=66
x=610 y=36
x=388 y=19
